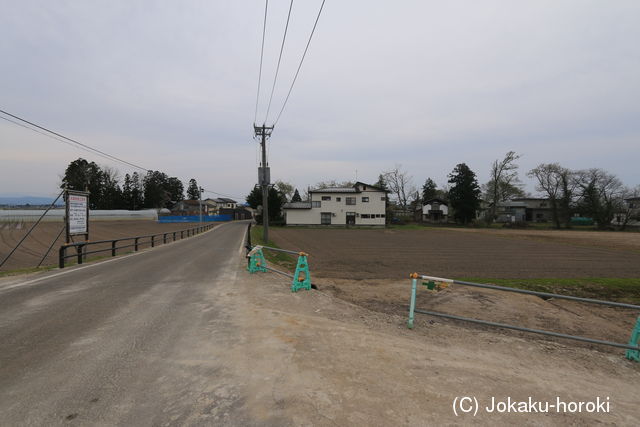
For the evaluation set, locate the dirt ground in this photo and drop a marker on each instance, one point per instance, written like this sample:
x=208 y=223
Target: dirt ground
x=319 y=360
x=370 y=268
x=396 y=253
x=35 y=246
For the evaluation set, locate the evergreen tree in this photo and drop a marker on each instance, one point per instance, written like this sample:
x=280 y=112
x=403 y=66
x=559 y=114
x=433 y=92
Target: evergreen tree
x=81 y=175
x=137 y=192
x=193 y=192
x=296 y=197
x=464 y=194
x=155 y=192
x=429 y=190
x=126 y=192
x=276 y=200
x=176 y=191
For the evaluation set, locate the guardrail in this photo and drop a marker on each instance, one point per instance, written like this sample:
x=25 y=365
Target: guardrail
x=137 y=241
x=633 y=347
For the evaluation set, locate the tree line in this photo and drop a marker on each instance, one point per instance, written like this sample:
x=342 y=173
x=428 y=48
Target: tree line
x=594 y=193
x=152 y=190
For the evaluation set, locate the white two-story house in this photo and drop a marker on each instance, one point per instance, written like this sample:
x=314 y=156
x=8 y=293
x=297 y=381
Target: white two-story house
x=362 y=204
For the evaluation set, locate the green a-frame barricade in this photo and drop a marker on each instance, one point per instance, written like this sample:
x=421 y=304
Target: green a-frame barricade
x=635 y=340
x=301 y=277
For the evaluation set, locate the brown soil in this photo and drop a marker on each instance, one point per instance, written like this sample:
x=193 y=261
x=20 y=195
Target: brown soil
x=395 y=253
x=35 y=246
x=370 y=268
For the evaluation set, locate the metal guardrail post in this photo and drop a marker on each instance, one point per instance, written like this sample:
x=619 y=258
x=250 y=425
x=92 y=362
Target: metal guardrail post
x=79 y=251
x=412 y=305
x=174 y=236
x=135 y=244
x=153 y=241
x=181 y=234
x=62 y=256
x=164 y=238
x=113 y=247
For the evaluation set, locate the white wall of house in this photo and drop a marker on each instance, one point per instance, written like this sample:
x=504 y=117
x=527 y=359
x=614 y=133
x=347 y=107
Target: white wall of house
x=426 y=208
x=369 y=208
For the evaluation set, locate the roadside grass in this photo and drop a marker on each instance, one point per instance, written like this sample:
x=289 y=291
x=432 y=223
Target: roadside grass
x=282 y=259
x=614 y=289
x=28 y=270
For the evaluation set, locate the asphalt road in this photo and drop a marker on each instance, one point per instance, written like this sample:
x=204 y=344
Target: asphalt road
x=135 y=340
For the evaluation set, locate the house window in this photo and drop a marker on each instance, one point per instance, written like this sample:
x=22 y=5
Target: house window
x=315 y=204
x=381 y=215
x=326 y=197
x=325 y=218
x=365 y=216
x=365 y=200
x=338 y=199
x=351 y=200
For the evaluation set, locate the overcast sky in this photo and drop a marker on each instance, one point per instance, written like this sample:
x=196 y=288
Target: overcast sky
x=171 y=86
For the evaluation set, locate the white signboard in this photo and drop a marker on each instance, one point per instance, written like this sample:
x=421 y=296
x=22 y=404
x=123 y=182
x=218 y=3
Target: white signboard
x=77 y=214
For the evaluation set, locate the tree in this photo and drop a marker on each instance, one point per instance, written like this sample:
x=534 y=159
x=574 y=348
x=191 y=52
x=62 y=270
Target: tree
x=558 y=184
x=429 y=190
x=175 y=189
x=276 y=200
x=193 y=191
x=464 y=194
x=111 y=194
x=155 y=191
x=503 y=183
x=388 y=210
x=126 y=192
x=296 y=196
x=137 y=192
x=601 y=195
x=81 y=175
x=284 y=188
x=630 y=211
x=401 y=185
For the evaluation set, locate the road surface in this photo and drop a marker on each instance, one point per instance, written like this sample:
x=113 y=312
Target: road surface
x=136 y=340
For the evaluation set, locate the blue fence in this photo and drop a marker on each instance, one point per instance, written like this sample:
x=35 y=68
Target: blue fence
x=194 y=218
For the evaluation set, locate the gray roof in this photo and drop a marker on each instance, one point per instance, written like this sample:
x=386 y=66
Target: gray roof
x=297 y=205
x=335 y=190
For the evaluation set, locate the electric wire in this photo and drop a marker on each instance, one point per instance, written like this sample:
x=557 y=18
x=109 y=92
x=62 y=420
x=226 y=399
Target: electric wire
x=275 y=78
x=78 y=143
x=300 y=65
x=264 y=29
x=75 y=144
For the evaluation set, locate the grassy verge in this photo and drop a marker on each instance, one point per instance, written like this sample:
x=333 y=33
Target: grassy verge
x=613 y=289
x=26 y=270
x=284 y=260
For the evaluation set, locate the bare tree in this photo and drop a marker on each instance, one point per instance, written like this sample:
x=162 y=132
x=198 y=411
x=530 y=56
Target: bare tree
x=400 y=184
x=503 y=183
x=285 y=188
x=630 y=208
x=558 y=184
x=601 y=195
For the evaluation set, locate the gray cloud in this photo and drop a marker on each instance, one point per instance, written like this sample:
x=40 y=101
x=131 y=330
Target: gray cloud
x=171 y=86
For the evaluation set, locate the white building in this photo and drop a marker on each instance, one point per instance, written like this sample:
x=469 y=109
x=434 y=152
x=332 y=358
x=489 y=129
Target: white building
x=362 y=204
x=435 y=210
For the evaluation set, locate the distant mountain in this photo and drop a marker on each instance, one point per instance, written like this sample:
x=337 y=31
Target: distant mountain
x=28 y=200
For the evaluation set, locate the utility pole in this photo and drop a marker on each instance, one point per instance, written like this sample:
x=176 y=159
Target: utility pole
x=200 y=202
x=264 y=176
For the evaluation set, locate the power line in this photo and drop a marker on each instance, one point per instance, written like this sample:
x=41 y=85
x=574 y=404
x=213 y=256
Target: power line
x=275 y=78
x=300 y=65
x=264 y=29
x=73 y=143
x=204 y=190
x=78 y=143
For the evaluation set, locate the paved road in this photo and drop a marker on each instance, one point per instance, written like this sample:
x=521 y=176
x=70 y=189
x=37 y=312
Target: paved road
x=136 y=340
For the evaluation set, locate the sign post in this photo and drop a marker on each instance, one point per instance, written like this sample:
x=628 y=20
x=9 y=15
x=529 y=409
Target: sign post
x=77 y=214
